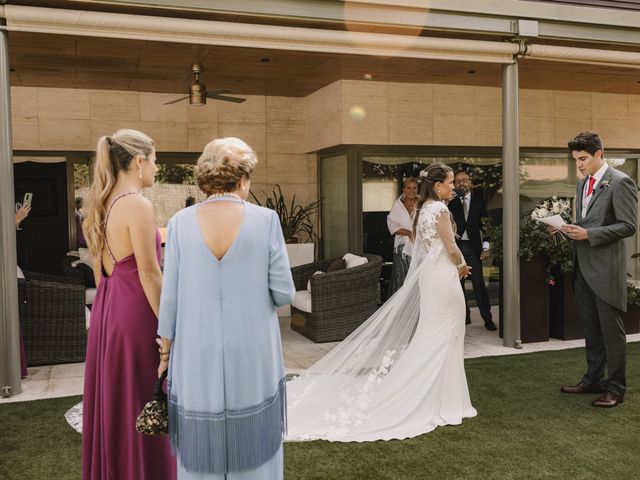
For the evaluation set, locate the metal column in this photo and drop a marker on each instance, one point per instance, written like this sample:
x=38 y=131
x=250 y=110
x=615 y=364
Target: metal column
x=10 y=383
x=511 y=206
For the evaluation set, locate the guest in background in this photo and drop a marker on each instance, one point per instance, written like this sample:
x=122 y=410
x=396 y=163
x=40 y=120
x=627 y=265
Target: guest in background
x=122 y=360
x=22 y=213
x=468 y=211
x=80 y=240
x=226 y=269
x=400 y=221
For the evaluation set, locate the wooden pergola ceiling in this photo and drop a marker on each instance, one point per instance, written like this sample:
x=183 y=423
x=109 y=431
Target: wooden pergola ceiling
x=116 y=64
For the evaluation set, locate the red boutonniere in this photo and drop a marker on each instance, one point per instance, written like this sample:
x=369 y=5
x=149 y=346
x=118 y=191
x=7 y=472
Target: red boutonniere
x=604 y=184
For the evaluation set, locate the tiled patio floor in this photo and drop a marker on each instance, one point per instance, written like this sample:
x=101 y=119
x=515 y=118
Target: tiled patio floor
x=299 y=354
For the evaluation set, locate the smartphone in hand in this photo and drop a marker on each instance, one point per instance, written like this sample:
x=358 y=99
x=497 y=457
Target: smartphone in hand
x=27 y=198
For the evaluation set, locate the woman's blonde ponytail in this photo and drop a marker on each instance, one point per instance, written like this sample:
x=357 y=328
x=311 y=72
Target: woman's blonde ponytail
x=113 y=154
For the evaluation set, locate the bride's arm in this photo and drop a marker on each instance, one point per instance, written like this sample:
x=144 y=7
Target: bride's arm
x=448 y=237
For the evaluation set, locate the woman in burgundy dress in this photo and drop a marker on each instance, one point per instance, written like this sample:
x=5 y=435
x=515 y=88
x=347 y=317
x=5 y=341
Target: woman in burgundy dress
x=122 y=355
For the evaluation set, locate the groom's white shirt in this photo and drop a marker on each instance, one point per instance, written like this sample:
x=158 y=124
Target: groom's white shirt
x=586 y=199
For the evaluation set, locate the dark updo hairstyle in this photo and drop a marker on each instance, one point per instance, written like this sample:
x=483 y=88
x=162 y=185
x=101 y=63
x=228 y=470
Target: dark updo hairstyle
x=434 y=173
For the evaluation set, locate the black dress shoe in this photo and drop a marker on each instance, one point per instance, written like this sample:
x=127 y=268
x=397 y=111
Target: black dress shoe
x=584 y=388
x=489 y=325
x=608 y=400
x=467 y=321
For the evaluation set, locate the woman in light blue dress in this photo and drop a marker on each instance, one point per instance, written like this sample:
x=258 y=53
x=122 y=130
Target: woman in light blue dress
x=226 y=269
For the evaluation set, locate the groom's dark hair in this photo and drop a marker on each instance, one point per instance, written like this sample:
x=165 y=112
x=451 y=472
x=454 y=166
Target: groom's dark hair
x=586 y=141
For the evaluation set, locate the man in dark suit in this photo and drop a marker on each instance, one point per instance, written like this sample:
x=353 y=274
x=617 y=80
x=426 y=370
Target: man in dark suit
x=468 y=210
x=606 y=214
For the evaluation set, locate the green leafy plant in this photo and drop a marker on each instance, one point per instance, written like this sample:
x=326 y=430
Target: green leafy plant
x=176 y=173
x=633 y=294
x=534 y=240
x=296 y=219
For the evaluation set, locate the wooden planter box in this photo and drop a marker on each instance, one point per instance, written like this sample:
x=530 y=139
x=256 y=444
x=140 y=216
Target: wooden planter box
x=534 y=301
x=565 y=322
x=631 y=319
x=564 y=318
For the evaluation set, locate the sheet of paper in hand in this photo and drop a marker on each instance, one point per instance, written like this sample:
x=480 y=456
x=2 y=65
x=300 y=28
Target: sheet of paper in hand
x=555 y=221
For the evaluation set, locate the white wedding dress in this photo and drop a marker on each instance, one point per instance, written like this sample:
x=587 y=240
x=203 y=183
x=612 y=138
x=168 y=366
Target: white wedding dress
x=401 y=373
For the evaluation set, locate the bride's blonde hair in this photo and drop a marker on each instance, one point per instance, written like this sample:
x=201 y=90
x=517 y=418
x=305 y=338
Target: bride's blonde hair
x=113 y=154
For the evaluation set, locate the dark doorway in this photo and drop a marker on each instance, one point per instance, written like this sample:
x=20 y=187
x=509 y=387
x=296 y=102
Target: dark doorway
x=43 y=239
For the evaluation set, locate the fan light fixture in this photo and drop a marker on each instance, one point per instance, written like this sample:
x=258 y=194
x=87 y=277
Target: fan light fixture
x=198 y=93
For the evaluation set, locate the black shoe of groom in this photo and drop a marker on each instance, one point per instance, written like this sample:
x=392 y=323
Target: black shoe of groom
x=467 y=321
x=584 y=388
x=489 y=325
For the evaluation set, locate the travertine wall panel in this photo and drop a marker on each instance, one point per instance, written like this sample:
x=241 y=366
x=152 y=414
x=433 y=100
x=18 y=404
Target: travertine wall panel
x=324 y=118
x=67 y=120
x=283 y=130
x=106 y=105
x=201 y=133
x=64 y=103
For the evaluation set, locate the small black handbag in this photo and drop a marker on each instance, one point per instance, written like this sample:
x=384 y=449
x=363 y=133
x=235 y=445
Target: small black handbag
x=154 y=417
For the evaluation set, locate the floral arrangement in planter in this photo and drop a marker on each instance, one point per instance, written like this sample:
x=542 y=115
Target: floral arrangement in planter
x=296 y=219
x=536 y=240
x=633 y=294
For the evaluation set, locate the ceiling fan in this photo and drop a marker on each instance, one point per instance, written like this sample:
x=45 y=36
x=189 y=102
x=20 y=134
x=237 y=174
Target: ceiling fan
x=198 y=93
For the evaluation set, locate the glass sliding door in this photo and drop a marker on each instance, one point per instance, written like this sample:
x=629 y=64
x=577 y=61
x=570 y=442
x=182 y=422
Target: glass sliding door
x=334 y=210
x=382 y=178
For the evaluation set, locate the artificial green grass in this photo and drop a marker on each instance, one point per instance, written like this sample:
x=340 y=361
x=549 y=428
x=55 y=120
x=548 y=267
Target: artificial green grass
x=525 y=429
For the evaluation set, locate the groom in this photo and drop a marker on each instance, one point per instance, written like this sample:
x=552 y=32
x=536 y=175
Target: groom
x=606 y=213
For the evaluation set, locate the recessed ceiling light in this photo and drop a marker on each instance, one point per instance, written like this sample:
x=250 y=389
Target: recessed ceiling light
x=367 y=76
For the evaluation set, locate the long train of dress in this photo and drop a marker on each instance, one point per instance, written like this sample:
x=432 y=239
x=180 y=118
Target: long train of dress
x=400 y=374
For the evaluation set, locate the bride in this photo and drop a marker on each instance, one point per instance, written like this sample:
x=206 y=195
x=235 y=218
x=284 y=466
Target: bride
x=401 y=373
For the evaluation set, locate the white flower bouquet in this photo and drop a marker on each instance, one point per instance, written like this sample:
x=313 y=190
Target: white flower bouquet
x=552 y=206
x=555 y=212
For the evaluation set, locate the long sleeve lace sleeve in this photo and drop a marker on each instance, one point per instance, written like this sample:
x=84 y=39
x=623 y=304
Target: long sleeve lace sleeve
x=444 y=228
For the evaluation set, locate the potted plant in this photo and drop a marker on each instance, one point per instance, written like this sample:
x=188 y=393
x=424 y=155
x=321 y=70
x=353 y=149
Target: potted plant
x=296 y=219
x=535 y=244
x=297 y=227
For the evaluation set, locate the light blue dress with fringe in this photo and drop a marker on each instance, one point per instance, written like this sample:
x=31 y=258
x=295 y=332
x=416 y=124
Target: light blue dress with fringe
x=227 y=398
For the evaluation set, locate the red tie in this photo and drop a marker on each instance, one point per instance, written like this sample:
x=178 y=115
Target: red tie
x=592 y=182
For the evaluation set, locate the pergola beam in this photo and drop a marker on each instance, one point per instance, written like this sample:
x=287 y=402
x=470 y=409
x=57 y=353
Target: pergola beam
x=10 y=383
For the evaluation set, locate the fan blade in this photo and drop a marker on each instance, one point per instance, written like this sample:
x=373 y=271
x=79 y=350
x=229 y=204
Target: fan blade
x=216 y=92
x=226 y=99
x=176 y=100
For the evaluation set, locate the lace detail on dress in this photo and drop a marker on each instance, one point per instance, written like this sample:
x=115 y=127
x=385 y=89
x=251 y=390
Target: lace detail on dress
x=426 y=231
x=355 y=401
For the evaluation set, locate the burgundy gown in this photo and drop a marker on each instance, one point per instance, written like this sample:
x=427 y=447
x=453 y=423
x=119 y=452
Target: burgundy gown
x=120 y=375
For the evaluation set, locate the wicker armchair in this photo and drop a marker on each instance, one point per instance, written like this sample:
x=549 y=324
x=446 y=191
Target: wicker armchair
x=340 y=301
x=52 y=314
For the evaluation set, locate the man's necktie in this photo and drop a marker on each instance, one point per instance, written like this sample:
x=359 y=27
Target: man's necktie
x=465 y=207
x=592 y=182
